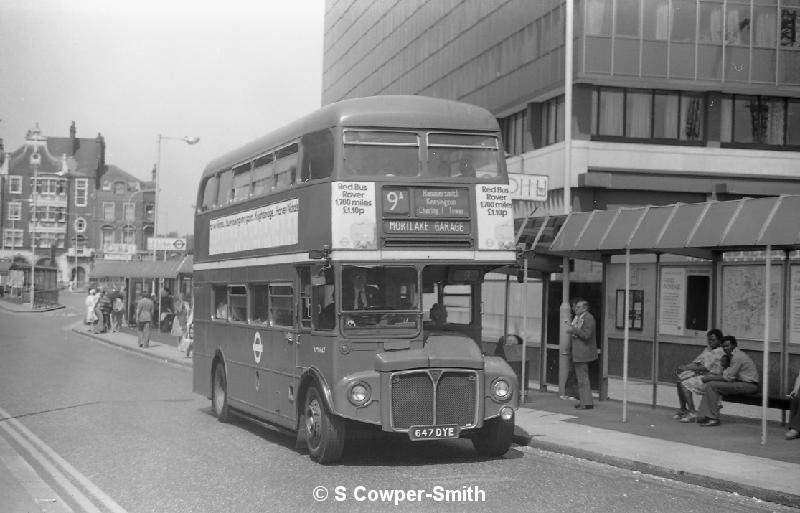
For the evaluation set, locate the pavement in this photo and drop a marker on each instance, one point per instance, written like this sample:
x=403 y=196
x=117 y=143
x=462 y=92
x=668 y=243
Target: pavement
x=631 y=434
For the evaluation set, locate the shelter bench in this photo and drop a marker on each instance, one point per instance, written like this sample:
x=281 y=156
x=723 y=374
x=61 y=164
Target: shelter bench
x=777 y=403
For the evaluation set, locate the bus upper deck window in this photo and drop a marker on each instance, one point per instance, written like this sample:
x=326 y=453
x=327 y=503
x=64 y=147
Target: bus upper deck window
x=317 y=155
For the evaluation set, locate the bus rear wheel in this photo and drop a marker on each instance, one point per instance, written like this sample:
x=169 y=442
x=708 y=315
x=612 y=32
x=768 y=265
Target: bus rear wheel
x=219 y=393
x=494 y=438
x=324 y=431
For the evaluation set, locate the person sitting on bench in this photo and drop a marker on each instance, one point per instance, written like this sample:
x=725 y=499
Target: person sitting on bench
x=739 y=377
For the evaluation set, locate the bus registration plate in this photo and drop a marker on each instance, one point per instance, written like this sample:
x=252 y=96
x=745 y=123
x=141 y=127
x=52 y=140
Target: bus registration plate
x=433 y=432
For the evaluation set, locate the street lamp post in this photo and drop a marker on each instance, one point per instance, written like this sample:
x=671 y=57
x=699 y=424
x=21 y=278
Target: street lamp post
x=34 y=194
x=188 y=140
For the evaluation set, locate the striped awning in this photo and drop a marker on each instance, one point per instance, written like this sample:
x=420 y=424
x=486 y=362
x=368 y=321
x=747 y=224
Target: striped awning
x=692 y=229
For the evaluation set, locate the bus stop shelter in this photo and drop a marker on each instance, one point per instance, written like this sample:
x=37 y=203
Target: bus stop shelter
x=699 y=230
x=148 y=276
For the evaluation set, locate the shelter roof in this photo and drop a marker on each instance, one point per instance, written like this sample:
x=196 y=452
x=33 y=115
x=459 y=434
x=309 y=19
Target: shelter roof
x=691 y=229
x=138 y=269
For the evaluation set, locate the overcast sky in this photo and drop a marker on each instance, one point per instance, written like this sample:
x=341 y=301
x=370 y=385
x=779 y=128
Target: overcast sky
x=227 y=71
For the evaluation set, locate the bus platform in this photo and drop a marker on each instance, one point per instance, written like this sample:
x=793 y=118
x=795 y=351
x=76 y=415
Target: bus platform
x=729 y=457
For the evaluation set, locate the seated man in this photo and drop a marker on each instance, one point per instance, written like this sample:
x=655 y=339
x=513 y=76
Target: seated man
x=438 y=323
x=740 y=377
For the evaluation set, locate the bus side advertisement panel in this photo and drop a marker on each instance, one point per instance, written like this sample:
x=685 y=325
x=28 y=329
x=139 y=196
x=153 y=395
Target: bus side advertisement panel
x=495 y=217
x=269 y=226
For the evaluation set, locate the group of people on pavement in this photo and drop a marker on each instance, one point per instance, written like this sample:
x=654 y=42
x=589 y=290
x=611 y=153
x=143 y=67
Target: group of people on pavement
x=723 y=369
x=104 y=310
x=720 y=369
x=105 y=313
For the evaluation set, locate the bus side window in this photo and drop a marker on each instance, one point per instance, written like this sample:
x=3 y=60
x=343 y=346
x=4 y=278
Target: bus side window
x=281 y=312
x=225 y=188
x=263 y=168
x=317 y=155
x=259 y=304
x=219 y=298
x=305 y=296
x=209 y=193
x=237 y=302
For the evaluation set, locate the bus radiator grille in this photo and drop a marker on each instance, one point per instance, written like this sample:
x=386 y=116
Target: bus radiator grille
x=455 y=399
x=414 y=401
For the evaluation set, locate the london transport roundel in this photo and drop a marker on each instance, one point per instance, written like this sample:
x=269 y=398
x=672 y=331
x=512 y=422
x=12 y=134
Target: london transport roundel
x=258 y=347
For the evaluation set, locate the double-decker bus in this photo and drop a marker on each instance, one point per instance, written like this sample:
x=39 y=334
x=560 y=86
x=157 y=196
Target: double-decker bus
x=320 y=251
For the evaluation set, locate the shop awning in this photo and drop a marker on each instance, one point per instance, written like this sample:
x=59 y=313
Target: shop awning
x=138 y=269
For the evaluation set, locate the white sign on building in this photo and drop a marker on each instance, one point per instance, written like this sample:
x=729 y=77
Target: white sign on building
x=166 y=243
x=527 y=187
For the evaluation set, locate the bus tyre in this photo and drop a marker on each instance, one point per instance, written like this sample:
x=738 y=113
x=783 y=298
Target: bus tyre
x=219 y=393
x=494 y=438
x=324 y=432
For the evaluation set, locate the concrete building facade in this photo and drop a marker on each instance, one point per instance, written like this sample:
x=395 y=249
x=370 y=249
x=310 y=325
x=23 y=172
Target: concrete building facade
x=672 y=101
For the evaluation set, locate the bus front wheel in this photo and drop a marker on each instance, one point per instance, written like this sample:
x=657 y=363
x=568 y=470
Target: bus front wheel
x=219 y=393
x=494 y=438
x=324 y=431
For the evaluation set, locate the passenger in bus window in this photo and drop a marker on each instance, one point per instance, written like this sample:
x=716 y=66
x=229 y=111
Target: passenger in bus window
x=442 y=170
x=222 y=311
x=466 y=168
x=357 y=295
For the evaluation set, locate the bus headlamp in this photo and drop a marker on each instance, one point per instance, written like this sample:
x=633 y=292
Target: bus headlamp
x=360 y=394
x=501 y=390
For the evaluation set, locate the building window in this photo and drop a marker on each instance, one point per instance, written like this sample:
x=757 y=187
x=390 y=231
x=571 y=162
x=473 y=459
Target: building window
x=790 y=27
x=149 y=210
x=129 y=235
x=638 y=114
x=107 y=234
x=627 y=18
x=553 y=120
x=129 y=211
x=81 y=191
x=120 y=188
x=15 y=184
x=108 y=211
x=80 y=225
x=598 y=18
x=516 y=133
x=12 y=238
x=14 y=211
x=760 y=120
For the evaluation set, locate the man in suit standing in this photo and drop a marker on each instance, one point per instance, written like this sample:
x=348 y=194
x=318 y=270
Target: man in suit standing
x=582 y=331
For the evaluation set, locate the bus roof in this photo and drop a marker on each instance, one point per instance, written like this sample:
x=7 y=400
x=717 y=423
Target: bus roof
x=386 y=111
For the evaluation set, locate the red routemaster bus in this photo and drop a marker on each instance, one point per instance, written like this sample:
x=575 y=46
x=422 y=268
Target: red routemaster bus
x=320 y=251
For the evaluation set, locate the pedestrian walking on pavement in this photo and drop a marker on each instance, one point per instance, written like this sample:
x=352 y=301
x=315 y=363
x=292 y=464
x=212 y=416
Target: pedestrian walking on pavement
x=90 y=302
x=582 y=331
x=739 y=377
x=145 y=311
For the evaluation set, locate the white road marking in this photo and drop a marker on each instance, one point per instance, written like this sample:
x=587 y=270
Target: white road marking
x=39 y=491
x=48 y=459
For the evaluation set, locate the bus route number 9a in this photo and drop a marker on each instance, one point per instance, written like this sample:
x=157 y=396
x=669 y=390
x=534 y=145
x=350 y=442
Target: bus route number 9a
x=395 y=201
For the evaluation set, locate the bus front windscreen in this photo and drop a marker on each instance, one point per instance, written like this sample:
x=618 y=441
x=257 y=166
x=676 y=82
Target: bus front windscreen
x=380 y=297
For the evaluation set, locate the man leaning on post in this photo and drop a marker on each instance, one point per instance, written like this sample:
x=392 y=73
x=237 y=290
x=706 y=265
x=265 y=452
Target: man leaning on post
x=739 y=377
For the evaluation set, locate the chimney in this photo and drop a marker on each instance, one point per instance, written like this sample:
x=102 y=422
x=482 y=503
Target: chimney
x=76 y=143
